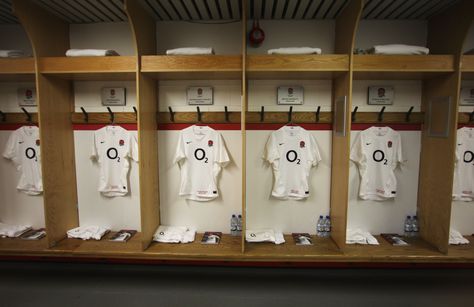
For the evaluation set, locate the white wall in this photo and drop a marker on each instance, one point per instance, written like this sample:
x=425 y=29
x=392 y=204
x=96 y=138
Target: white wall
x=469 y=42
x=16 y=207
x=264 y=211
x=94 y=209
x=87 y=95
x=380 y=32
x=204 y=216
x=14 y=37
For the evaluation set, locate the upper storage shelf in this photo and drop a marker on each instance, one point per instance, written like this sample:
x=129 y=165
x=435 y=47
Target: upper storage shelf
x=17 y=69
x=296 y=66
x=90 y=68
x=401 y=66
x=167 y=67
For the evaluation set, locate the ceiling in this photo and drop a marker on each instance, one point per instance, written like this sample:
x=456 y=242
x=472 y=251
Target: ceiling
x=91 y=11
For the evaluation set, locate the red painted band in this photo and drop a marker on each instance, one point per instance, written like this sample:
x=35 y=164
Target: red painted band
x=398 y=127
x=264 y=126
x=7 y=127
x=465 y=125
x=98 y=126
x=213 y=126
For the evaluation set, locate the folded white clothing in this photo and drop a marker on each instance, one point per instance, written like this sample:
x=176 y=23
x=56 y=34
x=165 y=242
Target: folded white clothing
x=87 y=232
x=90 y=52
x=11 y=53
x=358 y=236
x=190 y=51
x=264 y=235
x=13 y=231
x=399 y=49
x=174 y=234
x=456 y=238
x=295 y=50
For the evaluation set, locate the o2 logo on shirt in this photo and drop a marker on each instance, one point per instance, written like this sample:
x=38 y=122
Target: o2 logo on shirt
x=200 y=155
x=468 y=156
x=112 y=154
x=292 y=156
x=379 y=156
x=30 y=153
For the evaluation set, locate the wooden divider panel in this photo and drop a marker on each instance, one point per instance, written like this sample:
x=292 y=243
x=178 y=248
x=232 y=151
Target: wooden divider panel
x=49 y=36
x=244 y=107
x=438 y=152
x=346 y=26
x=143 y=29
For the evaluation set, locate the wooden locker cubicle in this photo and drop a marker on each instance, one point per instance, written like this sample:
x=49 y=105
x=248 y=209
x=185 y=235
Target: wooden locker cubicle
x=440 y=73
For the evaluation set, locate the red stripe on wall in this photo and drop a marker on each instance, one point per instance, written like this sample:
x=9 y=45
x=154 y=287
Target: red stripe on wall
x=98 y=126
x=398 y=127
x=213 y=126
x=465 y=125
x=7 y=127
x=264 y=126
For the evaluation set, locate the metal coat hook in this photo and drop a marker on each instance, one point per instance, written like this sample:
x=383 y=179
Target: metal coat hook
x=380 y=118
x=471 y=116
x=112 y=116
x=4 y=117
x=290 y=115
x=226 y=114
x=407 y=119
x=171 y=114
x=199 y=115
x=86 y=115
x=317 y=113
x=354 y=113
x=262 y=114
x=135 y=111
x=28 y=115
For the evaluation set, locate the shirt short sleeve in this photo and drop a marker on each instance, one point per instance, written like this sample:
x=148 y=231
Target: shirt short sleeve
x=271 y=150
x=12 y=149
x=180 y=153
x=94 y=151
x=314 y=153
x=356 y=151
x=221 y=157
x=133 y=154
x=399 y=157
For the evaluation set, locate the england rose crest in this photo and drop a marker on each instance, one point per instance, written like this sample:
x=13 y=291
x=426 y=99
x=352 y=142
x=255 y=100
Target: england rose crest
x=389 y=144
x=37 y=142
x=302 y=144
x=210 y=143
x=121 y=142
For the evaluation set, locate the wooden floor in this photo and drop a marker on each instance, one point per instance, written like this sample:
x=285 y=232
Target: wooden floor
x=230 y=249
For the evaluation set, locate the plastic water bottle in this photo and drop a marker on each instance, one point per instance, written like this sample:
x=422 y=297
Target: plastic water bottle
x=415 y=226
x=320 y=227
x=408 y=227
x=327 y=227
x=233 y=225
x=239 y=225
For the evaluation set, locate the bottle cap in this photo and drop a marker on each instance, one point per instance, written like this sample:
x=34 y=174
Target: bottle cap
x=327 y=216
x=233 y=215
x=320 y=216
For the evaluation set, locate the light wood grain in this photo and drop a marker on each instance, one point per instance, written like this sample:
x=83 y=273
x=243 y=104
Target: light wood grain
x=404 y=63
x=297 y=63
x=18 y=66
x=467 y=63
x=143 y=28
x=192 y=117
x=436 y=166
x=104 y=118
x=347 y=23
x=19 y=118
x=18 y=245
x=105 y=247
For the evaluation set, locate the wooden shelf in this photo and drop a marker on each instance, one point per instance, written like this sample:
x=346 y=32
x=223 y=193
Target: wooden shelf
x=322 y=248
x=369 y=67
x=462 y=252
x=467 y=67
x=17 y=245
x=228 y=248
x=296 y=66
x=17 y=69
x=132 y=246
x=89 y=68
x=175 y=67
x=19 y=118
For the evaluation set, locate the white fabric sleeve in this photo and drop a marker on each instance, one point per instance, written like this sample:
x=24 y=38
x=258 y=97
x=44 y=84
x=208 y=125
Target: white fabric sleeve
x=356 y=151
x=399 y=157
x=180 y=153
x=221 y=157
x=314 y=153
x=271 y=151
x=94 y=152
x=133 y=154
x=12 y=149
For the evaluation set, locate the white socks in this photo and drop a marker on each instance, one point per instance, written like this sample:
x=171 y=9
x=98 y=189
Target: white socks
x=456 y=238
x=13 y=231
x=87 y=232
x=190 y=51
x=295 y=50
x=358 y=236
x=264 y=235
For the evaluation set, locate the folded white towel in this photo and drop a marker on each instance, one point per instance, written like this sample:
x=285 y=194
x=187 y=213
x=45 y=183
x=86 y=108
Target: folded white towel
x=399 y=49
x=358 y=236
x=13 y=231
x=174 y=234
x=456 y=238
x=264 y=235
x=87 y=232
x=91 y=52
x=295 y=50
x=11 y=53
x=190 y=51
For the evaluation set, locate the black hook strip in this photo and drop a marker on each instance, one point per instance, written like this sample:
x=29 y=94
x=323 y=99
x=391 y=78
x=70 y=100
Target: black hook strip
x=380 y=118
x=171 y=114
x=354 y=113
x=226 y=114
x=112 y=115
x=407 y=119
x=86 y=115
x=317 y=113
x=135 y=111
x=4 y=117
x=290 y=114
x=28 y=115
x=199 y=114
x=262 y=114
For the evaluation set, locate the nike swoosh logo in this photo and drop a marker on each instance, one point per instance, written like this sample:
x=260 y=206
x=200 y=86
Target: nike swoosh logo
x=281 y=144
x=188 y=142
x=102 y=142
x=459 y=144
x=368 y=144
x=20 y=142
